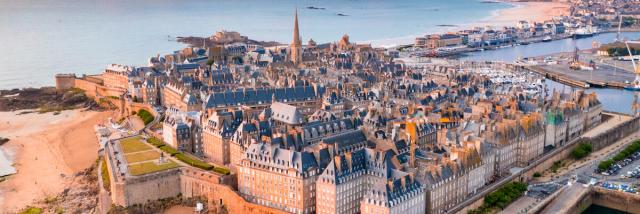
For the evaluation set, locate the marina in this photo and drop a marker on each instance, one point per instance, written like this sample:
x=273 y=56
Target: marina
x=513 y=53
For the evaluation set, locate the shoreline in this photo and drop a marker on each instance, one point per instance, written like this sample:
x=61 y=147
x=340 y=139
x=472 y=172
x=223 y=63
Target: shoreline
x=540 y=11
x=43 y=154
x=493 y=19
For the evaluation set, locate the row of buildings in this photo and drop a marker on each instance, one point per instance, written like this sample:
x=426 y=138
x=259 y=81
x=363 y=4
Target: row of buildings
x=584 y=18
x=336 y=128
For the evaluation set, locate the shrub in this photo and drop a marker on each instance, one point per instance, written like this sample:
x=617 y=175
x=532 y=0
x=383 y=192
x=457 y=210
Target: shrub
x=145 y=116
x=502 y=197
x=221 y=170
x=155 y=142
x=537 y=175
x=31 y=210
x=581 y=151
x=556 y=166
x=168 y=149
x=186 y=158
x=624 y=154
x=194 y=162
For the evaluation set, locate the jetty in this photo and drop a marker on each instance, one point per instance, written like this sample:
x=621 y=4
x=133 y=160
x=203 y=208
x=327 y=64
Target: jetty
x=603 y=76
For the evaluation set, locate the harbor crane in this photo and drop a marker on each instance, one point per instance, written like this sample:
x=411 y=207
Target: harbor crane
x=635 y=85
x=619 y=28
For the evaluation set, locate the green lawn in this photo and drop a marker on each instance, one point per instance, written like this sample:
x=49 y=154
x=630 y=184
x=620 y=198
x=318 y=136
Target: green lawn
x=106 y=182
x=31 y=210
x=149 y=167
x=142 y=156
x=133 y=144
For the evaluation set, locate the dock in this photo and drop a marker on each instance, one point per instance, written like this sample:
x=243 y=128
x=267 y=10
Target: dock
x=558 y=77
x=603 y=77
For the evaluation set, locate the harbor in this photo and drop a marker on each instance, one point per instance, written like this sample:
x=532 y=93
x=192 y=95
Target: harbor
x=603 y=77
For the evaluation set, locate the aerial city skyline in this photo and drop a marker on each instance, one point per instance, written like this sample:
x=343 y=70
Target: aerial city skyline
x=483 y=117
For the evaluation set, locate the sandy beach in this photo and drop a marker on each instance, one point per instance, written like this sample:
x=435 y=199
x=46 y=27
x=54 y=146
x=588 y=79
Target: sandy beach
x=527 y=11
x=47 y=151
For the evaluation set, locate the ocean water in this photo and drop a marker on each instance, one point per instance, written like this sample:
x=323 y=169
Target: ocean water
x=41 y=38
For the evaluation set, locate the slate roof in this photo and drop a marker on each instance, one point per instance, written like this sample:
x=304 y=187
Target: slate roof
x=261 y=96
x=347 y=141
x=270 y=155
x=286 y=113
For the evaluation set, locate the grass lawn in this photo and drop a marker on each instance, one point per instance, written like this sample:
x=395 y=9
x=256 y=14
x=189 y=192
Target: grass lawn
x=149 y=167
x=133 y=144
x=31 y=210
x=142 y=156
x=106 y=182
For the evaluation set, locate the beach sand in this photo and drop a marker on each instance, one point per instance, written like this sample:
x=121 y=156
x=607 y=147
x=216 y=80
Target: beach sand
x=47 y=151
x=527 y=11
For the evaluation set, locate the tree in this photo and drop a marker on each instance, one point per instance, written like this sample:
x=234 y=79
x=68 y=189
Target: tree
x=210 y=63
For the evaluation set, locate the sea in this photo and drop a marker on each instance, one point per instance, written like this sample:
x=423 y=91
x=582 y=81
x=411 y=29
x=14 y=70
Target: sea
x=39 y=38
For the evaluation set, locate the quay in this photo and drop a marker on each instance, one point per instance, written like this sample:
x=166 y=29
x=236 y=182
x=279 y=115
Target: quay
x=578 y=198
x=604 y=76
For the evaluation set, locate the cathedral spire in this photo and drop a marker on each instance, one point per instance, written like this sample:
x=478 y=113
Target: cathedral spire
x=296 y=45
x=296 y=32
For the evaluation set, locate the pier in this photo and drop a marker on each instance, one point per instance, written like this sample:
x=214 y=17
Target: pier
x=604 y=76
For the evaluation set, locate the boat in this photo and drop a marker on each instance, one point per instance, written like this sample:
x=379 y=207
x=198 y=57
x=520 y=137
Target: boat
x=582 y=33
x=547 y=39
x=632 y=88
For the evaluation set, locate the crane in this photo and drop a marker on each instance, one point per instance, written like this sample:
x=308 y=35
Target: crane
x=619 y=27
x=635 y=85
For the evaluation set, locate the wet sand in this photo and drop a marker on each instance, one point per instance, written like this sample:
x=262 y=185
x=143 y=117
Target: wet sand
x=47 y=150
x=525 y=11
x=521 y=11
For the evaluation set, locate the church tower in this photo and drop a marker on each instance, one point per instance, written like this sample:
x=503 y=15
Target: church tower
x=296 y=45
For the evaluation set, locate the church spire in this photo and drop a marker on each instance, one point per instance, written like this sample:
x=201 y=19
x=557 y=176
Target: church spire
x=296 y=45
x=296 y=32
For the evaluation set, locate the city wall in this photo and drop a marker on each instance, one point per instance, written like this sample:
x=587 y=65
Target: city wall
x=617 y=200
x=94 y=88
x=219 y=192
x=92 y=85
x=614 y=134
x=142 y=189
x=186 y=181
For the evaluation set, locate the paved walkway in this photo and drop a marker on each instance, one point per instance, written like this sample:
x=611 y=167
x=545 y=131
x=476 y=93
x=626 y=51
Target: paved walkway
x=615 y=120
x=567 y=199
x=519 y=205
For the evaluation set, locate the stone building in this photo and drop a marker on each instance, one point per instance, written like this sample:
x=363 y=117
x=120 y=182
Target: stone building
x=217 y=132
x=280 y=178
x=117 y=76
x=366 y=181
x=400 y=195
